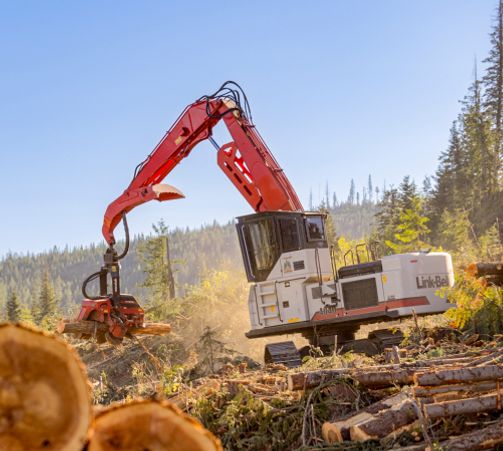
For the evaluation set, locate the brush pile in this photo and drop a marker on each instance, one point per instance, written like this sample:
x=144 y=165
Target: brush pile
x=349 y=402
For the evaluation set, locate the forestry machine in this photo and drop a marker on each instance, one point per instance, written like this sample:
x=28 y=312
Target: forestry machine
x=296 y=286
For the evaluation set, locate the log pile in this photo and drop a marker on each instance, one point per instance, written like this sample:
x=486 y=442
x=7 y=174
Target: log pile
x=45 y=403
x=430 y=390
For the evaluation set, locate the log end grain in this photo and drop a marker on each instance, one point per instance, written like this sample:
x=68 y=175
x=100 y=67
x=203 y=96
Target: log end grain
x=44 y=393
x=146 y=424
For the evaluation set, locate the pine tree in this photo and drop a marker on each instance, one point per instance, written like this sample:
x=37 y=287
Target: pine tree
x=327 y=195
x=493 y=85
x=154 y=253
x=210 y=348
x=388 y=217
x=401 y=221
x=46 y=308
x=370 y=189
x=334 y=200
x=408 y=193
x=455 y=234
x=490 y=244
x=476 y=140
x=13 y=308
x=352 y=192
x=412 y=229
x=452 y=183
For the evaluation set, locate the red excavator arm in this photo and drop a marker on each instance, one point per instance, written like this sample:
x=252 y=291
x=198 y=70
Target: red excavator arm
x=246 y=160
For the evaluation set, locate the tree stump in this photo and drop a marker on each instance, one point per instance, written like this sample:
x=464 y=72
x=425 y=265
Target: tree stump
x=44 y=394
x=152 y=425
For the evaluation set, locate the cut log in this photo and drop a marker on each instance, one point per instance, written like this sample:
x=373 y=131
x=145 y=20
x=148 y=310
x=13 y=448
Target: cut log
x=372 y=376
x=483 y=403
x=485 y=438
x=338 y=431
x=154 y=425
x=384 y=422
x=94 y=327
x=311 y=379
x=448 y=376
x=44 y=393
x=151 y=329
x=492 y=358
x=81 y=327
x=387 y=378
x=421 y=392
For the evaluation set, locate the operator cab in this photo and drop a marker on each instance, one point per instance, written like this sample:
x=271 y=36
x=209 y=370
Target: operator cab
x=264 y=237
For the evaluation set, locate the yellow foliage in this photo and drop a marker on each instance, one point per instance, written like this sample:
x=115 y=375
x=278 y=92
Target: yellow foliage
x=479 y=305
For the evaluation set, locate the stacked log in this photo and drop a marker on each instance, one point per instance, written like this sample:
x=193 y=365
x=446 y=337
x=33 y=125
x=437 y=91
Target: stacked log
x=440 y=391
x=45 y=403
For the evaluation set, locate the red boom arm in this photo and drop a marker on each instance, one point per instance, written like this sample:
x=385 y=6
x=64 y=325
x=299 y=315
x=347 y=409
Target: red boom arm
x=246 y=161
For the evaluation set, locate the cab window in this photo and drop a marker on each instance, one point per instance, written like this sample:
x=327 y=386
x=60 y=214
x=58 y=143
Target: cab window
x=289 y=234
x=314 y=228
x=262 y=247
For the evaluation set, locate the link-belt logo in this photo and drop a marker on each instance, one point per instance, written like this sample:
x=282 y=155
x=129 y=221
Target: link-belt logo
x=432 y=281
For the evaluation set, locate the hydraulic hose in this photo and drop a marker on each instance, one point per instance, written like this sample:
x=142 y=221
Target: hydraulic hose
x=126 y=245
x=86 y=282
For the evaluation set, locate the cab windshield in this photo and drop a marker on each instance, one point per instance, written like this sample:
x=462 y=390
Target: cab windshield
x=261 y=246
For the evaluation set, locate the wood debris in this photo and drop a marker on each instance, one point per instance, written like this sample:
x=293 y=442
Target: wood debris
x=437 y=389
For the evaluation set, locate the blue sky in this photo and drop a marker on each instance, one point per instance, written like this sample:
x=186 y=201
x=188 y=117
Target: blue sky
x=338 y=89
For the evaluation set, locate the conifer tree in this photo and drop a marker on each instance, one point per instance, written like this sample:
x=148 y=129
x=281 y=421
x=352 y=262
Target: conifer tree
x=13 y=308
x=412 y=229
x=352 y=191
x=370 y=189
x=154 y=253
x=388 y=216
x=476 y=140
x=401 y=221
x=490 y=244
x=452 y=182
x=493 y=85
x=455 y=234
x=46 y=308
x=334 y=200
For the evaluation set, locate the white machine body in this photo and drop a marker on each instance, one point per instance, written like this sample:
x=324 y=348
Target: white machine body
x=302 y=289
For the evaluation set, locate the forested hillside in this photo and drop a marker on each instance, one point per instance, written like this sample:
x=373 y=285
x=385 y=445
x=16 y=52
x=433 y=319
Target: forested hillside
x=193 y=252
